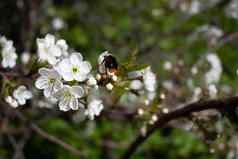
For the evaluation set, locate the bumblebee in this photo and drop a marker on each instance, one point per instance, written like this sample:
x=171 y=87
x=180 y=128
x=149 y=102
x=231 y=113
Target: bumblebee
x=107 y=69
x=107 y=64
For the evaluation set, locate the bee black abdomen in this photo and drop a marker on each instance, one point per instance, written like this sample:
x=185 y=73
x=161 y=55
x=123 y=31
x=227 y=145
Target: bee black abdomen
x=110 y=62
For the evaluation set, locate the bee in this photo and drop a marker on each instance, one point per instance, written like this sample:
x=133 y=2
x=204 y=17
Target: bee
x=107 y=69
x=107 y=64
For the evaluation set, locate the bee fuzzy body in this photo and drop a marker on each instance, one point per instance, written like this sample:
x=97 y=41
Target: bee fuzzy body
x=107 y=68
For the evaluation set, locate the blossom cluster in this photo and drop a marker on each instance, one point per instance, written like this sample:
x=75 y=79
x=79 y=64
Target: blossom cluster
x=20 y=95
x=8 y=53
x=146 y=85
x=67 y=79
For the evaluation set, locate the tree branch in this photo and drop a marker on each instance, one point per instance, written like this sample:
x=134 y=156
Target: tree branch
x=48 y=136
x=55 y=140
x=220 y=104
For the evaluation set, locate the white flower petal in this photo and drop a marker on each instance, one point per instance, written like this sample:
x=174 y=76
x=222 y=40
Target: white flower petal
x=21 y=101
x=55 y=50
x=48 y=91
x=58 y=85
x=85 y=67
x=80 y=77
x=77 y=91
x=62 y=44
x=64 y=105
x=74 y=103
x=49 y=39
x=41 y=83
x=63 y=68
x=44 y=71
x=76 y=58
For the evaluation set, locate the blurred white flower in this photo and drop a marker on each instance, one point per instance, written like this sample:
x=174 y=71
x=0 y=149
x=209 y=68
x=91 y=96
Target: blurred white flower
x=21 y=94
x=58 y=23
x=8 y=53
x=168 y=65
x=109 y=86
x=197 y=93
x=136 y=85
x=194 y=70
x=91 y=81
x=94 y=108
x=156 y=12
x=47 y=103
x=114 y=78
x=74 y=68
x=25 y=57
x=212 y=33
x=215 y=32
x=149 y=80
x=212 y=90
x=214 y=74
x=69 y=97
x=232 y=9
x=168 y=84
x=189 y=7
x=3 y=40
x=51 y=50
x=11 y=101
x=49 y=81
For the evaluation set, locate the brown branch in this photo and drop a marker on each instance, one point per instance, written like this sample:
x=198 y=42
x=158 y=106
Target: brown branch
x=55 y=140
x=48 y=136
x=220 y=104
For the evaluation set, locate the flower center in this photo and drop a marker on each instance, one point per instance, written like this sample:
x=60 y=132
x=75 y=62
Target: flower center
x=51 y=80
x=75 y=69
x=67 y=95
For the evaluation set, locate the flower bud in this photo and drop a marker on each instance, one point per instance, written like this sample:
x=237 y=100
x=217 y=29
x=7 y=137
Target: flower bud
x=109 y=86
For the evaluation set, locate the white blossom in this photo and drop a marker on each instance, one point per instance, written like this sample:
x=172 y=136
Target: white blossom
x=58 y=23
x=25 y=57
x=21 y=94
x=114 y=78
x=8 y=53
x=74 y=68
x=197 y=93
x=109 y=86
x=69 y=97
x=11 y=101
x=168 y=84
x=49 y=81
x=51 y=50
x=149 y=80
x=168 y=65
x=191 y=8
x=94 y=108
x=214 y=74
x=47 y=103
x=136 y=85
x=135 y=74
x=92 y=81
x=232 y=9
x=212 y=90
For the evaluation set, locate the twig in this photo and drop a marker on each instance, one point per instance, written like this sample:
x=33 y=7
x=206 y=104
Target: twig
x=55 y=140
x=219 y=104
x=49 y=137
